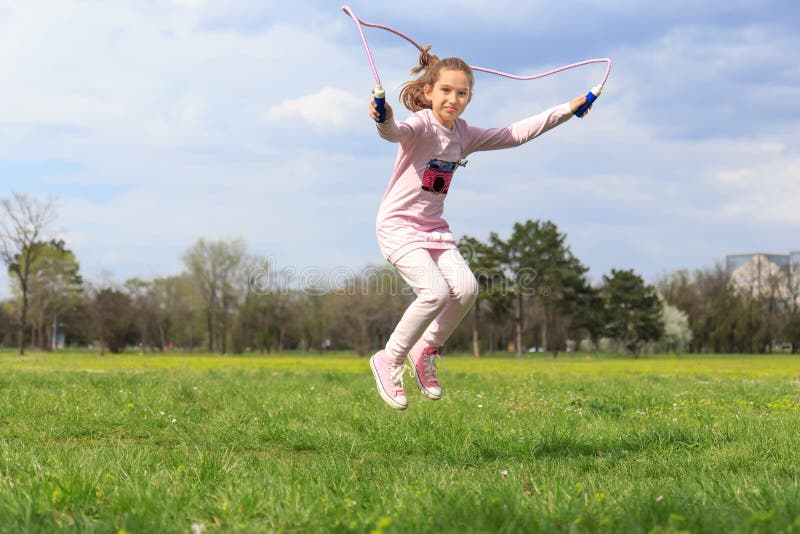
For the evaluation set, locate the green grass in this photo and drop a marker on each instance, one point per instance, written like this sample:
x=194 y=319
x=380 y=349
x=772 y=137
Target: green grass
x=303 y=444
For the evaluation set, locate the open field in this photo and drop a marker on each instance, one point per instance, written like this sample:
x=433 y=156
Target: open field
x=303 y=444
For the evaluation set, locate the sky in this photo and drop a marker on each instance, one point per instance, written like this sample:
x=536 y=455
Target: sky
x=152 y=123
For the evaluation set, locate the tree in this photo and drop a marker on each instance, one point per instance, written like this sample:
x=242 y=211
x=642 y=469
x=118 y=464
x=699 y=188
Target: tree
x=5 y=324
x=587 y=314
x=138 y=290
x=179 y=310
x=24 y=220
x=111 y=318
x=792 y=327
x=725 y=326
x=265 y=313
x=257 y=325
x=516 y=273
x=219 y=269
x=677 y=334
x=486 y=265
x=719 y=317
x=683 y=291
x=543 y=271
x=633 y=308
x=792 y=331
x=55 y=287
x=363 y=310
x=314 y=314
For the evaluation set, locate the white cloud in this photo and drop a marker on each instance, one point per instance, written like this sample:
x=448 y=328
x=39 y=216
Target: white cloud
x=326 y=110
x=194 y=4
x=766 y=193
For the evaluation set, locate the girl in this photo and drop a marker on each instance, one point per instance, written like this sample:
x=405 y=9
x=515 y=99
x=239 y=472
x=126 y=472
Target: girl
x=412 y=234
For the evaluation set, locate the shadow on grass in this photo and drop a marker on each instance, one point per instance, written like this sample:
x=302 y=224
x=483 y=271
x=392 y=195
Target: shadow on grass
x=564 y=446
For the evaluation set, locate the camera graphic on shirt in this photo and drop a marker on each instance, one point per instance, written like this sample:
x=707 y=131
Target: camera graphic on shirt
x=438 y=174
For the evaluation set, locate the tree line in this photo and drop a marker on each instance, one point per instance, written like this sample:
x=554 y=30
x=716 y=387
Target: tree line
x=534 y=296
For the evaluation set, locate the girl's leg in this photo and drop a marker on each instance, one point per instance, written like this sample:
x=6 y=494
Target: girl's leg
x=422 y=274
x=463 y=291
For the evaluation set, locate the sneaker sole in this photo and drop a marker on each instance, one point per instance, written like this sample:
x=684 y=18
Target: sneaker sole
x=385 y=396
x=425 y=391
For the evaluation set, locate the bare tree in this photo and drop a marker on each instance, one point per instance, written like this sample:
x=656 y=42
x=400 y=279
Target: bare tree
x=24 y=220
x=219 y=269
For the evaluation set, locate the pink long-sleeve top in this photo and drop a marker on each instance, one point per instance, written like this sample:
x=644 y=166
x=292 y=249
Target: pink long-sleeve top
x=410 y=217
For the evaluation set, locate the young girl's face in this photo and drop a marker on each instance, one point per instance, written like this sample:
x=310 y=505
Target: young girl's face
x=449 y=96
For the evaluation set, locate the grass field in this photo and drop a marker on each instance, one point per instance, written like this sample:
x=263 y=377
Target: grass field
x=303 y=444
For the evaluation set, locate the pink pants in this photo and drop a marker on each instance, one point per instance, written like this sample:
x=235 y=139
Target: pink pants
x=445 y=289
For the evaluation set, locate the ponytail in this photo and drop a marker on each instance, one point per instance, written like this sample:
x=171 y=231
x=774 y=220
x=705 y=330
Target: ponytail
x=412 y=95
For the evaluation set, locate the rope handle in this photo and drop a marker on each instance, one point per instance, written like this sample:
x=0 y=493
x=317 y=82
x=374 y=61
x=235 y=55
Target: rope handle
x=591 y=96
x=379 y=96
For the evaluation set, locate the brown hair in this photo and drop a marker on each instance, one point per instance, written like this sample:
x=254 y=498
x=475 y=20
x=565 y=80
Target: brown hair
x=413 y=96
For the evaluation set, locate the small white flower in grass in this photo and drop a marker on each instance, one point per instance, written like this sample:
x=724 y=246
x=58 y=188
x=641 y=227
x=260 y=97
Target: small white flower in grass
x=504 y=473
x=162 y=413
x=198 y=528
x=659 y=498
x=174 y=420
x=480 y=406
x=479 y=396
x=195 y=388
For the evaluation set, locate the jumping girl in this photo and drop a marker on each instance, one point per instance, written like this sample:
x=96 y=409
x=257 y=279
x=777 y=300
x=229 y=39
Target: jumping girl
x=413 y=235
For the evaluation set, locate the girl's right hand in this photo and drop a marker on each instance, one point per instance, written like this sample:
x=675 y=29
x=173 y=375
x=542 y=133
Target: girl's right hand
x=577 y=102
x=374 y=112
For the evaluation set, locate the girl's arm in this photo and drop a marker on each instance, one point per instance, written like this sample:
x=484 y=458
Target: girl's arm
x=521 y=131
x=389 y=129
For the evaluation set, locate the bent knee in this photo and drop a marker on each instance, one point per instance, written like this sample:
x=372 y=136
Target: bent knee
x=466 y=291
x=434 y=297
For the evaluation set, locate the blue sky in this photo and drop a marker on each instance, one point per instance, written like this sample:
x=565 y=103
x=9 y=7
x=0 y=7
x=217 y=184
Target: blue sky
x=156 y=122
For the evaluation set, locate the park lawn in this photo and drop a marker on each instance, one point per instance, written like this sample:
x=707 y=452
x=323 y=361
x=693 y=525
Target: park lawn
x=302 y=443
